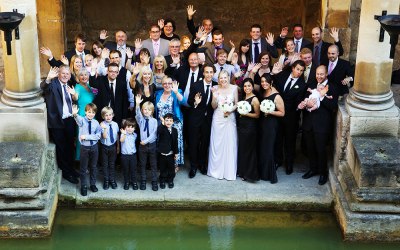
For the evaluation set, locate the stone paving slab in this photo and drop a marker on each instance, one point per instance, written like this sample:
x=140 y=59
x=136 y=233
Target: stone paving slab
x=204 y=192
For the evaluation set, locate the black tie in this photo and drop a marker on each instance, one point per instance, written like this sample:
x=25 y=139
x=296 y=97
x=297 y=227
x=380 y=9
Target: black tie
x=90 y=131
x=256 y=52
x=192 y=80
x=112 y=95
x=220 y=69
x=67 y=98
x=288 y=86
x=207 y=92
x=316 y=55
x=146 y=127
x=111 y=135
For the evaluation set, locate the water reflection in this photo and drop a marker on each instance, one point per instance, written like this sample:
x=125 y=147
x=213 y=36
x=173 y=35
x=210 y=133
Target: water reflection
x=221 y=230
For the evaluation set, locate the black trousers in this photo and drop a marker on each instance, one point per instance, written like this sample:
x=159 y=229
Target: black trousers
x=88 y=163
x=63 y=138
x=286 y=139
x=108 y=157
x=128 y=163
x=167 y=167
x=316 y=148
x=148 y=151
x=199 y=141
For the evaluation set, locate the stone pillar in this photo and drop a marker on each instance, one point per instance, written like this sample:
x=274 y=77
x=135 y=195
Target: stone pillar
x=372 y=78
x=22 y=71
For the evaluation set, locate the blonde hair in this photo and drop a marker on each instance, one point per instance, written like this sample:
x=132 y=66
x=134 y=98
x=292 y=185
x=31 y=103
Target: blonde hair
x=71 y=64
x=148 y=105
x=183 y=38
x=162 y=58
x=106 y=110
x=148 y=70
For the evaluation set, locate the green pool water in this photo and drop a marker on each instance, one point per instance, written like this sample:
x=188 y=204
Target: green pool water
x=153 y=229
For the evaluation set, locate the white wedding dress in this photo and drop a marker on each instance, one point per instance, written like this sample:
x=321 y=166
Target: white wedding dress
x=222 y=158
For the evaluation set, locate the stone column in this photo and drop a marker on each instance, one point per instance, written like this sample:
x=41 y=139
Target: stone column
x=22 y=70
x=372 y=79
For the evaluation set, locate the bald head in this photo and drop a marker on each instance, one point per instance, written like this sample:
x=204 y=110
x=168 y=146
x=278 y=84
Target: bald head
x=333 y=53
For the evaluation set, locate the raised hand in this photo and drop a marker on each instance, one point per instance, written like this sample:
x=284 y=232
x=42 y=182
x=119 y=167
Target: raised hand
x=256 y=67
x=123 y=131
x=129 y=52
x=284 y=32
x=103 y=125
x=250 y=66
x=135 y=69
x=232 y=44
x=64 y=60
x=197 y=99
x=270 y=38
x=235 y=58
x=175 y=86
x=71 y=90
x=190 y=11
x=75 y=109
x=238 y=74
x=334 y=34
x=138 y=43
x=46 y=51
x=277 y=68
x=176 y=59
x=200 y=34
x=161 y=23
x=162 y=119
x=138 y=99
x=103 y=34
x=105 y=53
x=53 y=73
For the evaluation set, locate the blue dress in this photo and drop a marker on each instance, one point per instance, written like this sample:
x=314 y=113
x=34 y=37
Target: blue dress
x=84 y=97
x=171 y=105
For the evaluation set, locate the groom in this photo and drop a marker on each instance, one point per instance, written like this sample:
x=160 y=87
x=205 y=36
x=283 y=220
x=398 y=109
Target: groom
x=199 y=122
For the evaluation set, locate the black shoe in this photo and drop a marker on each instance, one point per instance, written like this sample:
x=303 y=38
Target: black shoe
x=289 y=170
x=309 y=174
x=154 y=186
x=162 y=185
x=113 y=184
x=203 y=171
x=192 y=173
x=277 y=165
x=84 y=190
x=274 y=181
x=135 y=186
x=93 y=188
x=106 y=185
x=143 y=185
x=322 y=179
x=170 y=184
x=75 y=174
x=126 y=186
x=71 y=179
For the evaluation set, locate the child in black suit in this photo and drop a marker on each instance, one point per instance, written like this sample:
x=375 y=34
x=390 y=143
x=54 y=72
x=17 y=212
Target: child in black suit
x=167 y=147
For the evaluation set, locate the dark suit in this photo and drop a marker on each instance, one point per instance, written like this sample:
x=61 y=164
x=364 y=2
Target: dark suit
x=167 y=142
x=317 y=126
x=68 y=54
x=62 y=131
x=265 y=47
x=193 y=29
x=287 y=133
x=199 y=121
x=312 y=80
x=342 y=70
x=184 y=55
x=103 y=98
x=324 y=52
x=280 y=43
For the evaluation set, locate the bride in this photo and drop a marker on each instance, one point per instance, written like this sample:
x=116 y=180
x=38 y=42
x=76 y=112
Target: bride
x=222 y=158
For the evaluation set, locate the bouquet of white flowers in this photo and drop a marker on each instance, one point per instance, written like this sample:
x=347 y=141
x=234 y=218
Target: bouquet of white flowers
x=226 y=105
x=267 y=106
x=243 y=107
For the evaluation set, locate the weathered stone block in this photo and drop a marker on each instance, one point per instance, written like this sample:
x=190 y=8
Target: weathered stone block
x=20 y=164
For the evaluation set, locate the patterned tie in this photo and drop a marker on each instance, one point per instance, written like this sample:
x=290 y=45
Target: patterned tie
x=330 y=68
x=146 y=127
x=90 y=130
x=111 y=135
x=296 y=49
x=288 y=86
x=256 y=52
x=67 y=98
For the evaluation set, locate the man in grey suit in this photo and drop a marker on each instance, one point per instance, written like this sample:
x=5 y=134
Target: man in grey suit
x=155 y=44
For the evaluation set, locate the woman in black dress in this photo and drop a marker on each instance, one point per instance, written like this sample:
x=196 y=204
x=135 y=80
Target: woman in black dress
x=269 y=126
x=247 y=135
